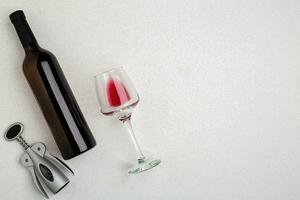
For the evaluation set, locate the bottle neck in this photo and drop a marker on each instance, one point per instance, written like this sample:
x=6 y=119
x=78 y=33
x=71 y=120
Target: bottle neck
x=25 y=35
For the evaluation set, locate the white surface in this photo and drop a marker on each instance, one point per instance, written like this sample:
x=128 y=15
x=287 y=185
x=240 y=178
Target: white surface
x=219 y=83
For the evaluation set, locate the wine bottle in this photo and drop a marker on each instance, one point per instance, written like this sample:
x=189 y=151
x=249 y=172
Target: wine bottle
x=53 y=93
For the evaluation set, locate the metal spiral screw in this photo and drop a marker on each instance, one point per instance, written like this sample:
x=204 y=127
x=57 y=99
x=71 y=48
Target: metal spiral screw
x=22 y=142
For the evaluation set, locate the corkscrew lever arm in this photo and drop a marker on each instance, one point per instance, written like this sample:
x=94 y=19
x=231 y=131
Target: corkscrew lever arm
x=27 y=162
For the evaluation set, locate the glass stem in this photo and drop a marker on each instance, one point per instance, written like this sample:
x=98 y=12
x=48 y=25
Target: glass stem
x=127 y=123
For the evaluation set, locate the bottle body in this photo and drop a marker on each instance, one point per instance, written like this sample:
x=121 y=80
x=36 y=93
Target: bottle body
x=57 y=103
x=56 y=100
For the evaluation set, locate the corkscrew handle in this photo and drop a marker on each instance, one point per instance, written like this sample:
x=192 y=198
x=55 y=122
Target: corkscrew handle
x=13 y=132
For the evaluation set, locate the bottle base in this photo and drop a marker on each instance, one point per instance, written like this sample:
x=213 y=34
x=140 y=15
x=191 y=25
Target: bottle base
x=75 y=155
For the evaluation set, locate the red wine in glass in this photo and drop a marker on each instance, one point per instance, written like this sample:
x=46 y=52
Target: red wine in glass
x=116 y=93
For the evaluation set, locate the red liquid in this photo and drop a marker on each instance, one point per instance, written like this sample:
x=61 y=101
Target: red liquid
x=116 y=93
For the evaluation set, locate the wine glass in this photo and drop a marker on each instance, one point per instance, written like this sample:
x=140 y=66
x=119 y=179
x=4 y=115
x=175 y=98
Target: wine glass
x=117 y=97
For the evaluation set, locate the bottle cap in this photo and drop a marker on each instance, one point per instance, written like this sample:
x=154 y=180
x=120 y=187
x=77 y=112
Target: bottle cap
x=17 y=15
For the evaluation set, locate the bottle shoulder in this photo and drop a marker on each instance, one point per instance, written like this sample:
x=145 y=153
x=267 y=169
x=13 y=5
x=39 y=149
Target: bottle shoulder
x=33 y=57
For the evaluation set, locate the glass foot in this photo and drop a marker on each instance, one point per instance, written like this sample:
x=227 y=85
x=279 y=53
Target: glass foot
x=144 y=164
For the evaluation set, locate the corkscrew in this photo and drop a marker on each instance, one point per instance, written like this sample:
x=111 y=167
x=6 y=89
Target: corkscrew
x=47 y=170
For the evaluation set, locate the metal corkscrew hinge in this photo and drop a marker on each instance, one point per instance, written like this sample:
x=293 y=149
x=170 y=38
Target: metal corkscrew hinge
x=46 y=169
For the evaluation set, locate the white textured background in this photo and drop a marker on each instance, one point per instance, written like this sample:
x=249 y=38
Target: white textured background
x=220 y=96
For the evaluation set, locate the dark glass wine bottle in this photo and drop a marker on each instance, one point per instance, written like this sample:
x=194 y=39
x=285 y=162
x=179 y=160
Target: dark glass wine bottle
x=51 y=89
